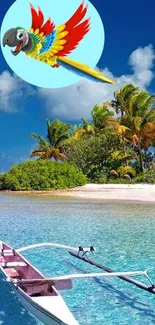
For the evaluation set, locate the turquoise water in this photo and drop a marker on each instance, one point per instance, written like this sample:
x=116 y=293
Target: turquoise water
x=124 y=235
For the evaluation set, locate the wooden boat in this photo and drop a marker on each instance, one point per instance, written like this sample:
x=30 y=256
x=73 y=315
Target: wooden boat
x=40 y=295
x=41 y=299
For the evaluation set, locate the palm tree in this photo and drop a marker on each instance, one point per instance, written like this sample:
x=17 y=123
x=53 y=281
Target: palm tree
x=125 y=153
x=76 y=131
x=101 y=116
x=53 y=147
x=123 y=97
x=138 y=117
x=87 y=126
x=141 y=122
x=123 y=172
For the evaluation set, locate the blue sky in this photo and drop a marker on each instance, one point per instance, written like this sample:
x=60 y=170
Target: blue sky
x=128 y=56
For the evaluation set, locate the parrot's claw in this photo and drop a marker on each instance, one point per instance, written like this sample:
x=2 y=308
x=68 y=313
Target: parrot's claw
x=57 y=65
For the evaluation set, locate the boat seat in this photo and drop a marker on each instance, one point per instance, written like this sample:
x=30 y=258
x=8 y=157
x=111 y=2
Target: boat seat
x=35 y=290
x=12 y=264
x=7 y=252
x=12 y=273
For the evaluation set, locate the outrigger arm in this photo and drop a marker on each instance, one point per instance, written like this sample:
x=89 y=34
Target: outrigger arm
x=58 y=281
x=77 y=276
x=141 y=285
x=112 y=274
x=77 y=249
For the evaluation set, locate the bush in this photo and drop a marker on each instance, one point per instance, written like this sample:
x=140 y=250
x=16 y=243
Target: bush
x=104 y=180
x=42 y=175
x=93 y=155
x=101 y=180
x=9 y=182
x=119 y=181
x=146 y=177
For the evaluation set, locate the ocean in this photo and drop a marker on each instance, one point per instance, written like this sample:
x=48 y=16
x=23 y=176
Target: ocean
x=124 y=237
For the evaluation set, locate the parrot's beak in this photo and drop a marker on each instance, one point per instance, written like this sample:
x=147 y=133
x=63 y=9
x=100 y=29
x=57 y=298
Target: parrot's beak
x=17 y=49
x=10 y=39
x=4 y=42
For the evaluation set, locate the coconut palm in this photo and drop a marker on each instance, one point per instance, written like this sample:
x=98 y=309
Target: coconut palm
x=88 y=127
x=125 y=154
x=53 y=147
x=137 y=115
x=76 y=131
x=123 y=172
x=123 y=97
x=101 y=116
x=139 y=119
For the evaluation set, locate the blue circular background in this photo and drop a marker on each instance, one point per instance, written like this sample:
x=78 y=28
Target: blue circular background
x=40 y=74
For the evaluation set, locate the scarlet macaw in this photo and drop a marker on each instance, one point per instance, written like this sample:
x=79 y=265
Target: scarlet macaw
x=50 y=44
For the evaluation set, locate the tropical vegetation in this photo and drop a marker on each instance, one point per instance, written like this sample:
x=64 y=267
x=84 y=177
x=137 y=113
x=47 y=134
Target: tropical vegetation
x=57 y=133
x=42 y=175
x=116 y=145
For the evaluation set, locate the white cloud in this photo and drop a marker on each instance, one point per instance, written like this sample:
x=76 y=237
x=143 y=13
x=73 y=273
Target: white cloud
x=13 y=90
x=73 y=102
x=141 y=62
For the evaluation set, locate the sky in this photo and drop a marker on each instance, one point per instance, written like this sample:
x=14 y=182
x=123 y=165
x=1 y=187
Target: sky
x=128 y=57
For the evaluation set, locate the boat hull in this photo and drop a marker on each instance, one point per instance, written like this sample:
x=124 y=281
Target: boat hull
x=36 y=310
x=48 y=307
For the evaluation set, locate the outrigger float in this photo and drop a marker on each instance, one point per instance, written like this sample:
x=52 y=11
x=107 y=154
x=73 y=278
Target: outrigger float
x=40 y=295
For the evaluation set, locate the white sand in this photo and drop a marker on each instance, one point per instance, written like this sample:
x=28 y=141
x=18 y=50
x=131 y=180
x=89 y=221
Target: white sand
x=138 y=192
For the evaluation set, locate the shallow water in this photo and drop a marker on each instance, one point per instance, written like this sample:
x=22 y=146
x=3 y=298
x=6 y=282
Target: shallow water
x=123 y=234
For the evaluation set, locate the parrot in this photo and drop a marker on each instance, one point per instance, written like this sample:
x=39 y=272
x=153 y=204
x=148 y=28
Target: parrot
x=51 y=44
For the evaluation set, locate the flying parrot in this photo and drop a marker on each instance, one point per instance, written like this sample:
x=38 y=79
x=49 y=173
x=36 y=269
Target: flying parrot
x=50 y=44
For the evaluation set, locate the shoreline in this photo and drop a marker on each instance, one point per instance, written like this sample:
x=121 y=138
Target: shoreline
x=117 y=192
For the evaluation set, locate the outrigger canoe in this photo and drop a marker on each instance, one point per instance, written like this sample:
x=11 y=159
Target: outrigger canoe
x=40 y=298
x=40 y=295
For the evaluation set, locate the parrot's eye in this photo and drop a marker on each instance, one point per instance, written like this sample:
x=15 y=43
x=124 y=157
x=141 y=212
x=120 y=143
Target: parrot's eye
x=20 y=35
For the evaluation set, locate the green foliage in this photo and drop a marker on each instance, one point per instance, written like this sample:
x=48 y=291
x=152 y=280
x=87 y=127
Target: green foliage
x=107 y=149
x=107 y=180
x=138 y=115
x=127 y=170
x=120 y=181
x=147 y=177
x=101 y=180
x=93 y=155
x=9 y=182
x=123 y=172
x=57 y=135
x=42 y=175
x=101 y=115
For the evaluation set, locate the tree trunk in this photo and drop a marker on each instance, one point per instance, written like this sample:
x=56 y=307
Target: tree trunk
x=146 y=160
x=140 y=157
x=124 y=149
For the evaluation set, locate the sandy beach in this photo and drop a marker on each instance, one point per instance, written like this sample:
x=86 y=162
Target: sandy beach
x=137 y=192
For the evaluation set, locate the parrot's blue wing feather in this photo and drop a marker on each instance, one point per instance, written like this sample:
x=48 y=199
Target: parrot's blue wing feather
x=50 y=38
